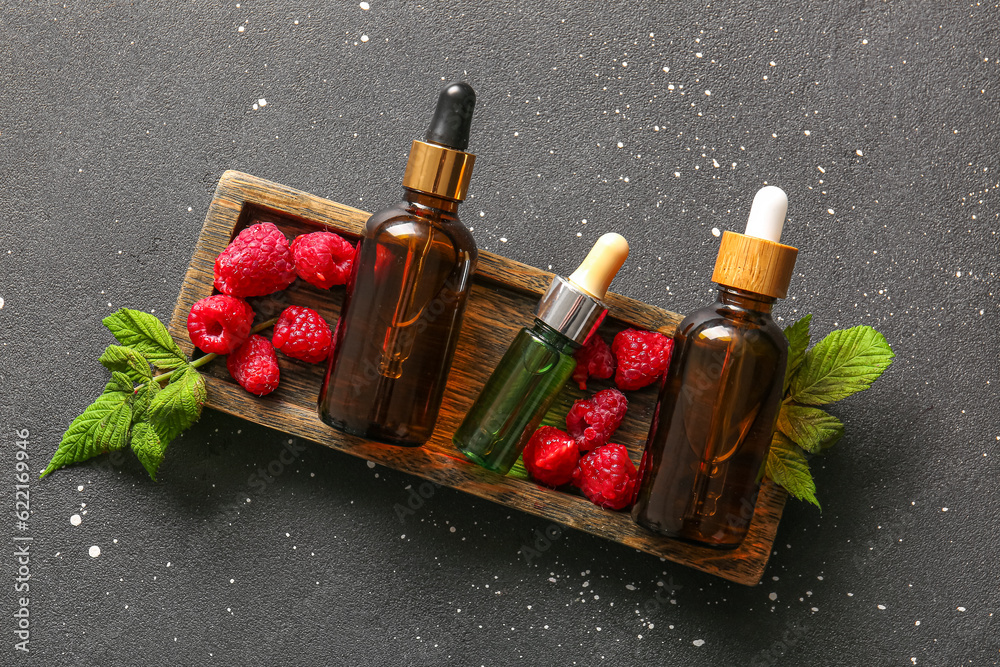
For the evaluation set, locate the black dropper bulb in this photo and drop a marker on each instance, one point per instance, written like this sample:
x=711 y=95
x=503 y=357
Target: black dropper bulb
x=453 y=117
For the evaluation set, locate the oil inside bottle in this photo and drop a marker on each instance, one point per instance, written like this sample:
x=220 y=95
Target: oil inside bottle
x=708 y=443
x=400 y=322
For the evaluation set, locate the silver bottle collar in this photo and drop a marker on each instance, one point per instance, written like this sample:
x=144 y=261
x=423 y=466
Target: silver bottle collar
x=570 y=311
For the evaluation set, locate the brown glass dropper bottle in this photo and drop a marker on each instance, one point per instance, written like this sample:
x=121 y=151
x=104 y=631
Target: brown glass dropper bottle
x=714 y=420
x=407 y=292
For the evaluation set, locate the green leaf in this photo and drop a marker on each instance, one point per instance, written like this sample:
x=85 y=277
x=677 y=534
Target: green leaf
x=148 y=447
x=80 y=442
x=143 y=397
x=811 y=429
x=845 y=362
x=120 y=382
x=178 y=405
x=798 y=340
x=787 y=466
x=147 y=335
x=128 y=361
x=112 y=431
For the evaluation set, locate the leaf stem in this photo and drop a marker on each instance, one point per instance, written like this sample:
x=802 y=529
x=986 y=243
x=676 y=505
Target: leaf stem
x=201 y=361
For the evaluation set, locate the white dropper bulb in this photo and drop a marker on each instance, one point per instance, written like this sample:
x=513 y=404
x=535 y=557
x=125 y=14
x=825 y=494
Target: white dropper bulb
x=767 y=214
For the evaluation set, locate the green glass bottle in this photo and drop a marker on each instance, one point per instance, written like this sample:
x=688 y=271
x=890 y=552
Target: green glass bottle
x=539 y=362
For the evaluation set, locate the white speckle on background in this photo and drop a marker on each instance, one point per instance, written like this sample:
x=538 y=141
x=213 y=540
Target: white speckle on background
x=76 y=520
x=365 y=6
x=961 y=608
x=708 y=93
x=806 y=132
x=364 y=38
x=240 y=29
x=881 y=607
x=859 y=153
x=262 y=102
x=621 y=145
x=80 y=488
x=503 y=239
x=371 y=464
x=944 y=509
x=830 y=211
x=698 y=642
x=716 y=232
x=772 y=596
x=95 y=551
x=1 y=302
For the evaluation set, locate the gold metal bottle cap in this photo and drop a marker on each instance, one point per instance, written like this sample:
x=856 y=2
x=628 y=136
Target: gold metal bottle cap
x=439 y=171
x=754 y=265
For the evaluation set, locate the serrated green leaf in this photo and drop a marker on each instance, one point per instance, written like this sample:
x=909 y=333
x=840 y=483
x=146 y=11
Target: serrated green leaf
x=120 y=382
x=128 y=361
x=798 y=340
x=147 y=335
x=845 y=362
x=80 y=441
x=140 y=404
x=112 y=432
x=148 y=448
x=787 y=466
x=811 y=429
x=178 y=405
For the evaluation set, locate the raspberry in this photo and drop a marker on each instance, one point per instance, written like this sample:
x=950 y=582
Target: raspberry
x=642 y=357
x=551 y=456
x=303 y=334
x=323 y=259
x=257 y=262
x=219 y=323
x=593 y=360
x=607 y=477
x=591 y=422
x=255 y=366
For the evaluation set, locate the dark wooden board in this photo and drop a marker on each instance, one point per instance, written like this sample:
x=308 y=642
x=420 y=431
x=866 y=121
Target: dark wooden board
x=503 y=297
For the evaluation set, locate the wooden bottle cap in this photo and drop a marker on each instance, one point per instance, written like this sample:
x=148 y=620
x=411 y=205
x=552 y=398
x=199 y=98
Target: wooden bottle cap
x=754 y=265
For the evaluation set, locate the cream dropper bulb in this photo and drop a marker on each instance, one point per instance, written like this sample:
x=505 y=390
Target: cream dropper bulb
x=601 y=265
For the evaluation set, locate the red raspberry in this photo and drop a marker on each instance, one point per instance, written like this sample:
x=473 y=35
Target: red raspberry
x=591 y=422
x=642 y=357
x=257 y=262
x=255 y=366
x=551 y=456
x=607 y=477
x=323 y=259
x=219 y=323
x=593 y=360
x=302 y=333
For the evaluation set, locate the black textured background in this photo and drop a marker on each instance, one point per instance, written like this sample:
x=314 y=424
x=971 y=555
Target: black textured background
x=880 y=120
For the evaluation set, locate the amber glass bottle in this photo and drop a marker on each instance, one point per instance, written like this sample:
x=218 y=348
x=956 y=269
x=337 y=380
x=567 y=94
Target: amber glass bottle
x=700 y=472
x=412 y=273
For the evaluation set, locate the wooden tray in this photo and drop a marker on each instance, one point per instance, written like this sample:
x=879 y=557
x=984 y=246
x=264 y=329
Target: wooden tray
x=503 y=297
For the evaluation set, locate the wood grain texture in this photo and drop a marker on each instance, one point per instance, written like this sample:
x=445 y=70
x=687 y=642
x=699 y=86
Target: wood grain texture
x=503 y=297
